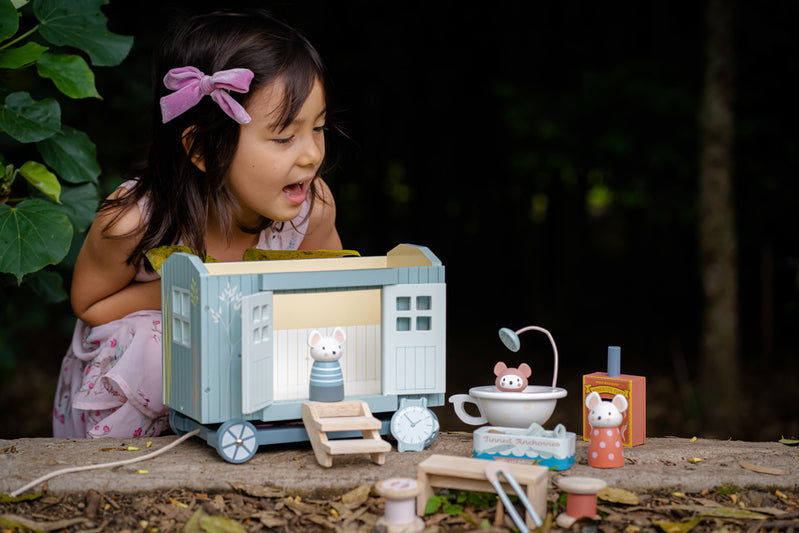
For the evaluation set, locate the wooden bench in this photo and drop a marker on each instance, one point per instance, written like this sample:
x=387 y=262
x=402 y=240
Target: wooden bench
x=320 y=418
x=466 y=473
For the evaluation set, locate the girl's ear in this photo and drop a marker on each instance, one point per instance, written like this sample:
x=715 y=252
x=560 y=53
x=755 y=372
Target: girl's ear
x=188 y=141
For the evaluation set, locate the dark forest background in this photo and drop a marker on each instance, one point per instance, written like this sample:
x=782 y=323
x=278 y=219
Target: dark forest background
x=548 y=153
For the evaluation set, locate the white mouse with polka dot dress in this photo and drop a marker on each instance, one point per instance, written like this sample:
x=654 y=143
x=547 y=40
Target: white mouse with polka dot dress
x=605 y=417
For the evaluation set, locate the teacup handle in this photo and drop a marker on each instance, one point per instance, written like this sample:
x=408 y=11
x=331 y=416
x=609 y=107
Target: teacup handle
x=457 y=401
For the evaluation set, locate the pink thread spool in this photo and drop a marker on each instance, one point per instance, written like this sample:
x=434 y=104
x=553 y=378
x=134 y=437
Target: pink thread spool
x=580 y=499
x=400 y=494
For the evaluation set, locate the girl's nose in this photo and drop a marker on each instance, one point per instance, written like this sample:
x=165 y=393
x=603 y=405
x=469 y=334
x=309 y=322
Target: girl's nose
x=312 y=152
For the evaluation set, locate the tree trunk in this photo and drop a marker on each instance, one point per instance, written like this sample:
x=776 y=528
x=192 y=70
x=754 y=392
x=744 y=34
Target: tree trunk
x=717 y=242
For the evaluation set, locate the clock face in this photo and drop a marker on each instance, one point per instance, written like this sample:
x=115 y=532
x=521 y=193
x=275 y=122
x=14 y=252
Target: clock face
x=414 y=425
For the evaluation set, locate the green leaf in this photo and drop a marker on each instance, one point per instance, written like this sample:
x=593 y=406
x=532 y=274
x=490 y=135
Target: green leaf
x=7 y=177
x=677 y=527
x=42 y=179
x=193 y=524
x=81 y=24
x=221 y=524
x=34 y=234
x=27 y=120
x=9 y=19
x=5 y=498
x=80 y=205
x=453 y=509
x=614 y=495
x=48 y=285
x=72 y=154
x=70 y=73
x=21 y=56
x=433 y=504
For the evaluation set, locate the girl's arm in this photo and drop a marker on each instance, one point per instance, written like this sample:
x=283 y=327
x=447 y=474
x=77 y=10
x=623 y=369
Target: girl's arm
x=102 y=285
x=322 y=234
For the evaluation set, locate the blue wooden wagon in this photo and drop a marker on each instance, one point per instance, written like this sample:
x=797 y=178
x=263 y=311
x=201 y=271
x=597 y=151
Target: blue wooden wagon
x=235 y=353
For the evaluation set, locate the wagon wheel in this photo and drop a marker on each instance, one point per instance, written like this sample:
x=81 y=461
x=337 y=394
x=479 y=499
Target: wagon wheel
x=176 y=423
x=237 y=441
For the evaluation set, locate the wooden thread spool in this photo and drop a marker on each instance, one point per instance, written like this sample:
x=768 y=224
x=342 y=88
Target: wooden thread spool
x=400 y=494
x=580 y=498
x=579 y=505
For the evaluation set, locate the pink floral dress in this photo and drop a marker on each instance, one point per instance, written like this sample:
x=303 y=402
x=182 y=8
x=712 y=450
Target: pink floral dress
x=110 y=379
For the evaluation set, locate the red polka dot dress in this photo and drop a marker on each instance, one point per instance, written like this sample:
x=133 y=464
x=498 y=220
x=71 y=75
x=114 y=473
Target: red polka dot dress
x=604 y=448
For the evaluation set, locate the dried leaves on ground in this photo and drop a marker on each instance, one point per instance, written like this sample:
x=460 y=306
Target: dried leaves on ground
x=251 y=508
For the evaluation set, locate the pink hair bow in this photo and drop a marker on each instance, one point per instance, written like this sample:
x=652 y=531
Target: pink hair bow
x=190 y=85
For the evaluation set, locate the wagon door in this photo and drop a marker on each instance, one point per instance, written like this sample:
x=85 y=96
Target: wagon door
x=414 y=326
x=256 y=352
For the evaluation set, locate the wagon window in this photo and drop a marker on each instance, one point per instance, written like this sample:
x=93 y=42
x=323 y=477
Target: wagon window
x=181 y=317
x=414 y=314
x=423 y=303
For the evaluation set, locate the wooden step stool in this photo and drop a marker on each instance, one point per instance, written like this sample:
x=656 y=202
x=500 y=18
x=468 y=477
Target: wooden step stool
x=466 y=473
x=321 y=417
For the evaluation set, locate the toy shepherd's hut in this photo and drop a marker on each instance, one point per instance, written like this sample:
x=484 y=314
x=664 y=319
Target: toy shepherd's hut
x=235 y=334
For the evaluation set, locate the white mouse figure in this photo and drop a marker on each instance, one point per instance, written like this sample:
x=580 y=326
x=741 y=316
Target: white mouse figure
x=327 y=380
x=605 y=417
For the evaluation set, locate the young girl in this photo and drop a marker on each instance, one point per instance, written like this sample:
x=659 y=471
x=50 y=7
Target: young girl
x=235 y=163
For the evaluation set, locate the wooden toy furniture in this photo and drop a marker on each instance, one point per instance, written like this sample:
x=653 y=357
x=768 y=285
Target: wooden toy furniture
x=466 y=473
x=320 y=418
x=235 y=350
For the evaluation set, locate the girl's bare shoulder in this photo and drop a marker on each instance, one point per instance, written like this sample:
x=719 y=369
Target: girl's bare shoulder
x=118 y=220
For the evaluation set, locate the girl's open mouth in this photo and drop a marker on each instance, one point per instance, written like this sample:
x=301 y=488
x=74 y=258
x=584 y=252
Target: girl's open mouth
x=296 y=192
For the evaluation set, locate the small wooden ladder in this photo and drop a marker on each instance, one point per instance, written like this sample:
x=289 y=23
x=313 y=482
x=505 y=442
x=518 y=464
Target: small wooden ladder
x=321 y=417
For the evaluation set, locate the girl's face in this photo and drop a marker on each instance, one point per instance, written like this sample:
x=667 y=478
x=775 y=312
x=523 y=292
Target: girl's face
x=273 y=167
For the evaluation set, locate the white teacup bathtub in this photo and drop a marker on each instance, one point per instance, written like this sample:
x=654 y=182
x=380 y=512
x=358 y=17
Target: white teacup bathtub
x=510 y=409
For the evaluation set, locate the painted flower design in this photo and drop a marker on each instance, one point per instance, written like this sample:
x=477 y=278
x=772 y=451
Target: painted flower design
x=231 y=295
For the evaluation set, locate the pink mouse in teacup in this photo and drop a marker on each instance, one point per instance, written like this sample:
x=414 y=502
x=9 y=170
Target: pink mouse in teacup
x=511 y=379
x=605 y=417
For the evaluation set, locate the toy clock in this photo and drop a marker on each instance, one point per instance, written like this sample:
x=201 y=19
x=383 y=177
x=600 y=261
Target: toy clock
x=414 y=425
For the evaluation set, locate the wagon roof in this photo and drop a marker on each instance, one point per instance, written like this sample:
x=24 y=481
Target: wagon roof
x=404 y=255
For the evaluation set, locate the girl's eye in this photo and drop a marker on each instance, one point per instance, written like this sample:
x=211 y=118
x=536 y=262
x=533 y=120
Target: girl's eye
x=284 y=140
x=320 y=129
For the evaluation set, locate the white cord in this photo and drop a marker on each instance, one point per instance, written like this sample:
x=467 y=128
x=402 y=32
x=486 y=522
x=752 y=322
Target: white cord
x=104 y=465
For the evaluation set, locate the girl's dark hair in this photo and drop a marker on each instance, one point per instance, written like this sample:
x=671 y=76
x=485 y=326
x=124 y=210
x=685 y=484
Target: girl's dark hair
x=180 y=195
